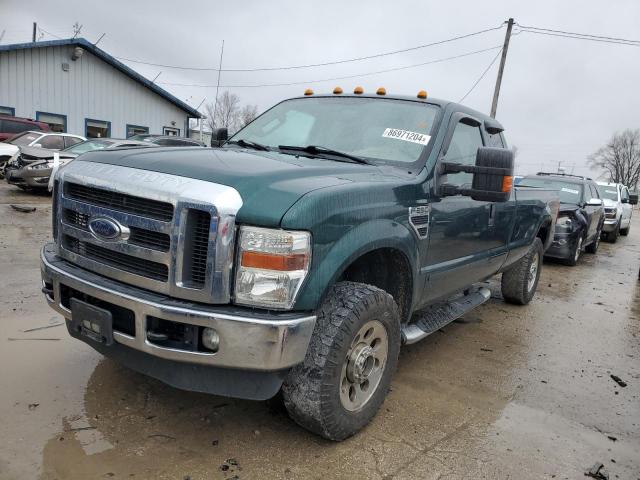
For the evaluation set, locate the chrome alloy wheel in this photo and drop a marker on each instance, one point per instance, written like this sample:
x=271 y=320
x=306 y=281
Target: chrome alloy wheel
x=533 y=272
x=363 y=366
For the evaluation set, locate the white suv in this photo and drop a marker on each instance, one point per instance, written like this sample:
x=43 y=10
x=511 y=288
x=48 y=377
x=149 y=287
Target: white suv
x=617 y=210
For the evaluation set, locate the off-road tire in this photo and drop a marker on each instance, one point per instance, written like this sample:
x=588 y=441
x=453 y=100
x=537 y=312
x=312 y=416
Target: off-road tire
x=515 y=281
x=625 y=231
x=593 y=246
x=311 y=391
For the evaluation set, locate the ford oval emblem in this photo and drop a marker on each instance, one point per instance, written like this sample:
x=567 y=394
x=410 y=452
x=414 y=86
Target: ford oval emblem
x=104 y=228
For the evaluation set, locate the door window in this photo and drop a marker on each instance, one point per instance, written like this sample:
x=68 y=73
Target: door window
x=97 y=128
x=70 y=141
x=10 y=126
x=52 y=142
x=625 y=194
x=462 y=149
x=57 y=123
x=7 y=111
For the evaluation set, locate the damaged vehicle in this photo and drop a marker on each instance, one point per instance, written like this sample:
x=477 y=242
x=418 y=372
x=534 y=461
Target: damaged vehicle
x=31 y=168
x=300 y=255
x=581 y=218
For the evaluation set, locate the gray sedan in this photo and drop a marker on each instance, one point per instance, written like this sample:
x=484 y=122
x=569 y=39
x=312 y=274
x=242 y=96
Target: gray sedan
x=32 y=167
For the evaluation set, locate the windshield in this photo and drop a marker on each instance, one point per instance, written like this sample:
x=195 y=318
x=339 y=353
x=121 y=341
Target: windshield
x=567 y=191
x=381 y=130
x=88 y=146
x=24 y=139
x=608 y=191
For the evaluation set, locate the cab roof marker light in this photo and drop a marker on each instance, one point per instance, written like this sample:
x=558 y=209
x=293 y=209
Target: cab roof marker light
x=358 y=90
x=337 y=91
x=422 y=94
x=381 y=91
x=308 y=92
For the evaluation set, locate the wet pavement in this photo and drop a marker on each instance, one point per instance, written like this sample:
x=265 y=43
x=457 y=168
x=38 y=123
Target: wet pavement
x=505 y=392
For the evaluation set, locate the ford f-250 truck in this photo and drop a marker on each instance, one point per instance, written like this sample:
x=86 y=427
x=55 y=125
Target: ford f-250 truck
x=300 y=255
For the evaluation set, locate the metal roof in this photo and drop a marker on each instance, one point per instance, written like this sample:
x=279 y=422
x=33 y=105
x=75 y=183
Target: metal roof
x=86 y=45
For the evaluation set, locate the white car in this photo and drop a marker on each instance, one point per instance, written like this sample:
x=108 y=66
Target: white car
x=617 y=209
x=48 y=140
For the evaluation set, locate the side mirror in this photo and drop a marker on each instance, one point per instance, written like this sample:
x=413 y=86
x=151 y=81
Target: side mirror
x=594 y=202
x=633 y=198
x=219 y=136
x=492 y=176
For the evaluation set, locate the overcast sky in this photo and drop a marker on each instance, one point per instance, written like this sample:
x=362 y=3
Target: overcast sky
x=560 y=100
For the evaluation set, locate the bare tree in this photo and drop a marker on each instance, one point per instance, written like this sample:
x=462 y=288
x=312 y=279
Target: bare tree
x=620 y=158
x=247 y=114
x=226 y=113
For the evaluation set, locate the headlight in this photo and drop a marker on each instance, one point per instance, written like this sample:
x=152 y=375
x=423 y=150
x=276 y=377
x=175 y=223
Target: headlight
x=611 y=212
x=40 y=166
x=564 y=224
x=272 y=266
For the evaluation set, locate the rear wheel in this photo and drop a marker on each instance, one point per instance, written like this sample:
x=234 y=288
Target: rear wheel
x=347 y=371
x=625 y=231
x=519 y=283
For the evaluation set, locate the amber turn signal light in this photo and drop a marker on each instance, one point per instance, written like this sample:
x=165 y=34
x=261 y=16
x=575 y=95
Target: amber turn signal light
x=381 y=91
x=358 y=90
x=422 y=94
x=337 y=91
x=507 y=183
x=270 y=261
x=308 y=92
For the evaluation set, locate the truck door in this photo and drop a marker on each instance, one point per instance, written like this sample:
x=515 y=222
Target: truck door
x=626 y=206
x=594 y=213
x=463 y=247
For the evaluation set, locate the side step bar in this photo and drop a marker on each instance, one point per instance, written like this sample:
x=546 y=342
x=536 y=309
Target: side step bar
x=436 y=316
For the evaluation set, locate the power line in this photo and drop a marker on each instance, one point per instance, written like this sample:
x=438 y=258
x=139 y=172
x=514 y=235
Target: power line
x=311 y=65
x=337 y=78
x=578 y=36
x=481 y=76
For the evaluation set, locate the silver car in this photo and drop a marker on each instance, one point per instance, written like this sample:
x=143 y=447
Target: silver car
x=31 y=168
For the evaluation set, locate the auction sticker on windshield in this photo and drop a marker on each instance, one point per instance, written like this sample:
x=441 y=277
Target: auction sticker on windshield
x=570 y=190
x=406 y=136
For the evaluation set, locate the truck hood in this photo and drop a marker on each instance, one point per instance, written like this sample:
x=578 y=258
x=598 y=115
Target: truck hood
x=608 y=203
x=268 y=182
x=34 y=154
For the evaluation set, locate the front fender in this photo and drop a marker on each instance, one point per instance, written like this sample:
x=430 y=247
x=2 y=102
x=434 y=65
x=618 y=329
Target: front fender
x=331 y=260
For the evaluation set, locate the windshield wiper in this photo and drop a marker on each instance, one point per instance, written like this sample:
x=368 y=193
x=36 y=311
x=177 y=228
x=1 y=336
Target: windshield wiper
x=317 y=150
x=249 y=144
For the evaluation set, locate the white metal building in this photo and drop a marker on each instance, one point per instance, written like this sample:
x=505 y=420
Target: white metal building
x=78 y=88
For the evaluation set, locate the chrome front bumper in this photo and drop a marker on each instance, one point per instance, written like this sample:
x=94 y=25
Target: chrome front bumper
x=248 y=341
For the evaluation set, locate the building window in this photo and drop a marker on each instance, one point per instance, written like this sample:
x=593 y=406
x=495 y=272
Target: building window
x=171 y=131
x=57 y=122
x=8 y=111
x=96 y=128
x=136 y=130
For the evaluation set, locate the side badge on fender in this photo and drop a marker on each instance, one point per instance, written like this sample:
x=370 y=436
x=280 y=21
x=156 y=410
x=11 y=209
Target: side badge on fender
x=419 y=219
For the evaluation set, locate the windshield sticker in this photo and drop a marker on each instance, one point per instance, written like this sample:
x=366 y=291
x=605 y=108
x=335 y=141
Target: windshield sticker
x=406 y=136
x=612 y=192
x=568 y=190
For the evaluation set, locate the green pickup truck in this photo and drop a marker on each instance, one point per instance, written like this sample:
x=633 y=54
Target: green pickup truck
x=299 y=255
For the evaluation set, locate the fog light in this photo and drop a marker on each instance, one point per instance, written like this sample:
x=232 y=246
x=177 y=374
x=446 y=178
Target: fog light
x=210 y=339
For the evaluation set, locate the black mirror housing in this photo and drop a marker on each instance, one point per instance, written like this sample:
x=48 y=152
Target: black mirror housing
x=633 y=198
x=492 y=176
x=219 y=136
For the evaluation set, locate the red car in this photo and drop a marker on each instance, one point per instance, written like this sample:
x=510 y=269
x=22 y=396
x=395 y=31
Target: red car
x=10 y=126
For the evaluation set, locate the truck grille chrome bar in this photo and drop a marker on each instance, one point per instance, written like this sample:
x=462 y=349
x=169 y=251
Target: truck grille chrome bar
x=168 y=234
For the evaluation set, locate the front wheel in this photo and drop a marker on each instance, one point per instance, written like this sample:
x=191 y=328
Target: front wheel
x=576 y=253
x=593 y=246
x=347 y=371
x=625 y=231
x=519 y=283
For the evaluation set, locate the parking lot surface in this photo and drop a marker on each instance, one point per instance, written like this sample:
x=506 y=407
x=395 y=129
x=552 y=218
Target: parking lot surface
x=505 y=392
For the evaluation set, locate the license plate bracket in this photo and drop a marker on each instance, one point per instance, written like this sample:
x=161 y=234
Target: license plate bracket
x=93 y=322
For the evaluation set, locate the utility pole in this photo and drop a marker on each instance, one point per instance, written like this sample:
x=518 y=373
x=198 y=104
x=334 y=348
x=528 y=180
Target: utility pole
x=35 y=27
x=505 y=47
x=215 y=105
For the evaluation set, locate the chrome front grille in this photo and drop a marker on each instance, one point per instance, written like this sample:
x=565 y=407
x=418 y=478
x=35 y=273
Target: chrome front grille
x=174 y=235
